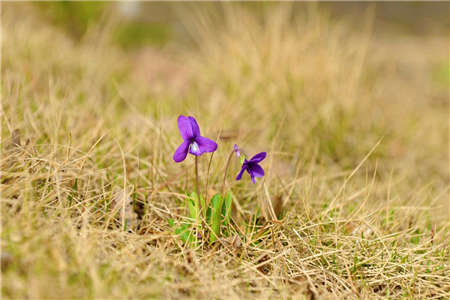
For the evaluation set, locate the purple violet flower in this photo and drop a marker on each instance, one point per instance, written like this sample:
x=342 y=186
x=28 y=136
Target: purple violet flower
x=252 y=167
x=236 y=149
x=193 y=143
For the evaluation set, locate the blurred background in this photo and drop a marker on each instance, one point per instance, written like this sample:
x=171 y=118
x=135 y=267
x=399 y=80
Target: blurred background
x=157 y=24
x=148 y=31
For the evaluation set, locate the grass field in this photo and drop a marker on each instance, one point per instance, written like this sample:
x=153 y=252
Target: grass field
x=355 y=121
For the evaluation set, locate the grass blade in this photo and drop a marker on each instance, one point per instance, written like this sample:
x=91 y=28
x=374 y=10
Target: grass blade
x=216 y=216
x=226 y=210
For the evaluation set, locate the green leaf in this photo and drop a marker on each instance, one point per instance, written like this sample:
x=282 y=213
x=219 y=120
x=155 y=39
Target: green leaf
x=192 y=206
x=216 y=205
x=202 y=200
x=171 y=222
x=185 y=233
x=208 y=213
x=181 y=228
x=194 y=209
x=226 y=210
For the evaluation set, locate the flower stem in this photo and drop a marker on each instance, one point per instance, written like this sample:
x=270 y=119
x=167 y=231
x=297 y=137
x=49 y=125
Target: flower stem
x=226 y=171
x=196 y=183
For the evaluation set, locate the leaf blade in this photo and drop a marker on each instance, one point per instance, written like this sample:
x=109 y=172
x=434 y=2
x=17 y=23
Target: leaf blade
x=216 y=216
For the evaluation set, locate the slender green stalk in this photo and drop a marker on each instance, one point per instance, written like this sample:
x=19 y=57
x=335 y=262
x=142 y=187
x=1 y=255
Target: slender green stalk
x=226 y=171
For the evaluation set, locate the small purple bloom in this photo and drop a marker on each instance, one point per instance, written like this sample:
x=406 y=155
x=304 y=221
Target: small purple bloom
x=252 y=167
x=236 y=149
x=193 y=143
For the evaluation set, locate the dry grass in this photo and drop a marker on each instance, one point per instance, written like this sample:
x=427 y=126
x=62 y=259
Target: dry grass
x=355 y=124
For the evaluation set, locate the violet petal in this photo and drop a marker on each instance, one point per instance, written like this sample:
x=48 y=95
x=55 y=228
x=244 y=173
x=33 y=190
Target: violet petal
x=181 y=152
x=256 y=170
x=205 y=144
x=236 y=149
x=194 y=125
x=258 y=157
x=185 y=127
x=241 y=173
